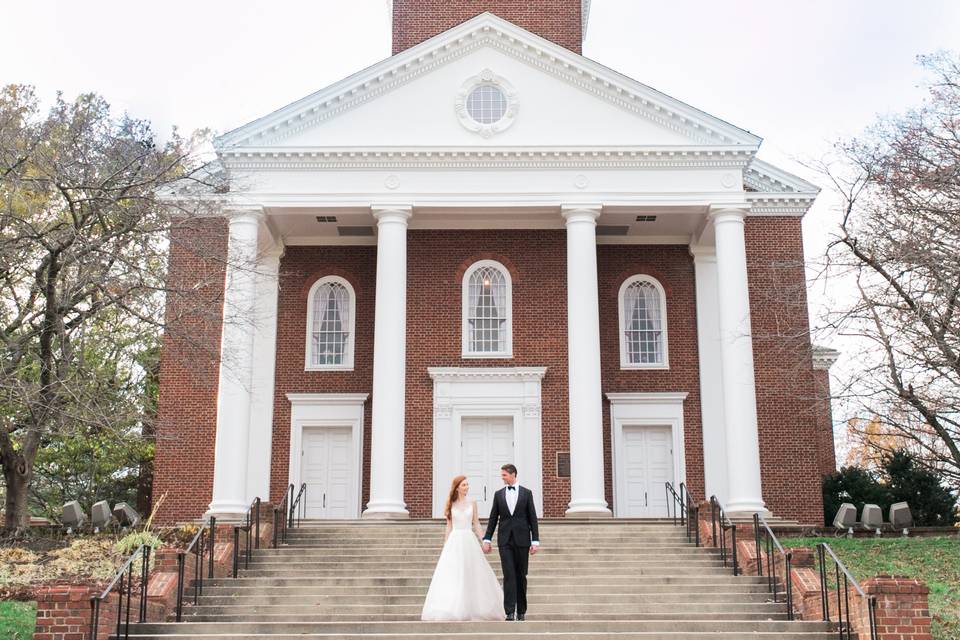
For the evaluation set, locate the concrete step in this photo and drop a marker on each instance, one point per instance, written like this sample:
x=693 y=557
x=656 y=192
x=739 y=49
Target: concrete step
x=266 y=597
x=533 y=581
x=553 y=550
x=547 y=590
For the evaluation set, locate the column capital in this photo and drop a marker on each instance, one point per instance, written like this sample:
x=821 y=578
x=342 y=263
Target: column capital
x=391 y=212
x=588 y=212
x=702 y=253
x=719 y=213
x=244 y=213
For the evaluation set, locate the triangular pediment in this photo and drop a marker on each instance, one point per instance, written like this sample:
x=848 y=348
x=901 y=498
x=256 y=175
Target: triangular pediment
x=560 y=99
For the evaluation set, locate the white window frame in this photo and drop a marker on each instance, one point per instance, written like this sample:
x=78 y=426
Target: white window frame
x=624 y=358
x=465 y=312
x=347 y=364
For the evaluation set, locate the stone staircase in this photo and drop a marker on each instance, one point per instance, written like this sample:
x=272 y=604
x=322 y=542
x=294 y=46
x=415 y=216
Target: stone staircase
x=607 y=579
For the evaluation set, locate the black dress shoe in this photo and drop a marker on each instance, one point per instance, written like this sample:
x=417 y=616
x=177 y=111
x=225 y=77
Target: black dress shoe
x=521 y=617
x=509 y=616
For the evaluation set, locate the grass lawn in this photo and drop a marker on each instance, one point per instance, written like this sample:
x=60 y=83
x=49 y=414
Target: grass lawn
x=17 y=619
x=936 y=561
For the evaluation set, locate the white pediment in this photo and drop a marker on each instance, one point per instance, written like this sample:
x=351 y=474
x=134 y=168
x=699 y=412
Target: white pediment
x=562 y=100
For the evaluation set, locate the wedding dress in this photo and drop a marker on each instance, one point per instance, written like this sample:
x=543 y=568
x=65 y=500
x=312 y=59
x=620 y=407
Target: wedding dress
x=464 y=586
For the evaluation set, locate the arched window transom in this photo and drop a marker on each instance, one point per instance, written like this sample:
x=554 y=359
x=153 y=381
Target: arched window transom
x=487 y=312
x=643 y=324
x=330 y=324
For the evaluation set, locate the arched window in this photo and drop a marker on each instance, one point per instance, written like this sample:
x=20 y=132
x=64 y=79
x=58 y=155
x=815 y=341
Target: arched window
x=487 y=311
x=643 y=324
x=330 y=324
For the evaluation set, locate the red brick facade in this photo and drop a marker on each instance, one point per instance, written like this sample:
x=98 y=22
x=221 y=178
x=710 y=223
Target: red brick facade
x=190 y=370
x=417 y=20
x=786 y=397
x=824 y=416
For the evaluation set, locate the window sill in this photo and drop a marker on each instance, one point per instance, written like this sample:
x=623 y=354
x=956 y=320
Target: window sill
x=330 y=368
x=644 y=367
x=487 y=356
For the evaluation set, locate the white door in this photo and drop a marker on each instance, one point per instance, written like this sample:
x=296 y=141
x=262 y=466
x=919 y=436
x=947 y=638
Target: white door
x=326 y=466
x=647 y=467
x=486 y=444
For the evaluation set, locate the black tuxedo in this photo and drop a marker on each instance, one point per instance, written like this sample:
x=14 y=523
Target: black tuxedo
x=515 y=533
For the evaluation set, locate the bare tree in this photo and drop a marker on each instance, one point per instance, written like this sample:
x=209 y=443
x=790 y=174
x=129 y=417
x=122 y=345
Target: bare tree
x=899 y=247
x=84 y=240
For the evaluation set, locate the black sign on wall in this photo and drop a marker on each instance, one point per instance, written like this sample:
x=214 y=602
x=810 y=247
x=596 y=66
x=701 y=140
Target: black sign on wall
x=563 y=464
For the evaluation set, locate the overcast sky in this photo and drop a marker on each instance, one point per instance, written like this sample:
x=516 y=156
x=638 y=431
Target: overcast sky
x=799 y=74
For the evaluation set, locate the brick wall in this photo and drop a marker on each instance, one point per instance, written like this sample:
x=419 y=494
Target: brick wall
x=672 y=266
x=786 y=397
x=826 y=451
x=417 y=20
x=436 y=262
x=189 y=369
x=300 y=268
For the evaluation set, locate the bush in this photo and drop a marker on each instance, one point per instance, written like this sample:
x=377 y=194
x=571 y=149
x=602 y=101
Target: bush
x=901 y=479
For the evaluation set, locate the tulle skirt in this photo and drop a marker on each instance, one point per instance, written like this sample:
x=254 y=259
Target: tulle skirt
x=464 y=586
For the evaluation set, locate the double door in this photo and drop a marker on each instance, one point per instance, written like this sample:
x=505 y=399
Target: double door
x=486 y=444
x=647 y=467
x=327 y=462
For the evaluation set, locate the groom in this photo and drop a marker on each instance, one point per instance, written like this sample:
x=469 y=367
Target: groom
x=518 y=538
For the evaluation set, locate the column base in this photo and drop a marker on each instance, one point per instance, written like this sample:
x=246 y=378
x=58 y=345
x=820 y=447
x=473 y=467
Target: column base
x=592 y=510
x=388 y=511
x=588 y=515
x=745 y=509
x=227 y=512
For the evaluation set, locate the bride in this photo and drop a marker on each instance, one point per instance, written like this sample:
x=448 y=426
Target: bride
x=464 y=586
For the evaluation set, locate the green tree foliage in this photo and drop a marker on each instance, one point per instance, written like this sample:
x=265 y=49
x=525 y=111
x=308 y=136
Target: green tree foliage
x=901 y=479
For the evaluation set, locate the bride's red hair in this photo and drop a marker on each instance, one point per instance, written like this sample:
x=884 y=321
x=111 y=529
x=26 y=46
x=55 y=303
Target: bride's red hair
x=453 y=495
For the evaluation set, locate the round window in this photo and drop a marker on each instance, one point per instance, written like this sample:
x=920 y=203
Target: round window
x=487 y=104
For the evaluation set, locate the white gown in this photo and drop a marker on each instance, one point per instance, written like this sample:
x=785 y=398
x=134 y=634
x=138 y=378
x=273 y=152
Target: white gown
x=464 y=586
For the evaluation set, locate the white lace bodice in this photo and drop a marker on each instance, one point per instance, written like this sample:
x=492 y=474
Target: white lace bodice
x=462 y=516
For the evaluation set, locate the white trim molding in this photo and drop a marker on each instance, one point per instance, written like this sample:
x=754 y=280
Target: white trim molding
x=507 y=352
x=347 y=364
x=824 y=357
x=460 y=392
x=662 y=294
x=328 y=410
x=645 y=409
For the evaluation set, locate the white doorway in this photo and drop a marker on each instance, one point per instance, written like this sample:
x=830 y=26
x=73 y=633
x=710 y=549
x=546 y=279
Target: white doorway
x=326 y=445
x=648 y=451
x=327 y=468
x=486 y=444
x=648 y=466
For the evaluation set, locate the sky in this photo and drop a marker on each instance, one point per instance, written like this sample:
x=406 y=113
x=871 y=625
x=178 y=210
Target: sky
x=799 y=74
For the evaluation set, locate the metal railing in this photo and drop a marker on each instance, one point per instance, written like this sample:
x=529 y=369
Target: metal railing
x=843 y=580
x=280 y=518
x=768 y=544
x=250 y=527
x=693 y=519
x=198 y=546
x=676 y=503
x=718 y=517
x=299 y=504
x=123 y=580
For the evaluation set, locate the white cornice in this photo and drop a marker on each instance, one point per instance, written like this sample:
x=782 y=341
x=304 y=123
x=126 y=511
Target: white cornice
x=450 y=374
x=764 y=177
x=824 y=357
x=265 y=158
x=488 y=30
x=326 y=399
x=647 y=398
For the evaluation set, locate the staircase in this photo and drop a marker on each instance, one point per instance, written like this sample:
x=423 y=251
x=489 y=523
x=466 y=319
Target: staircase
x=608 y=579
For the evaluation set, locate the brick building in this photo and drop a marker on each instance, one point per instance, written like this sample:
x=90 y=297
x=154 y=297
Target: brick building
x=487 y=249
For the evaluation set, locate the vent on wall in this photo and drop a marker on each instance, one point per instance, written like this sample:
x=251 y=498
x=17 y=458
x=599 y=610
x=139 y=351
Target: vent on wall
x=326 y=218
x=646 y=218
x=355 y=231
x=612 y=230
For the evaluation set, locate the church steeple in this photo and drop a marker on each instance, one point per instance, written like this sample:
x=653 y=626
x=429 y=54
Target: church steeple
x=562 y=21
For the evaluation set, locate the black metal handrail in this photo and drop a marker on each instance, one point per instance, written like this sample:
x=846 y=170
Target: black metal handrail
x=198 y=546
x=124 y=578
x=771 y=546
x=299 y=504
x=693 y=519
x=280 y=518
x=250 y=527
x=844 y=623
x=717 y=516
x=675 y=502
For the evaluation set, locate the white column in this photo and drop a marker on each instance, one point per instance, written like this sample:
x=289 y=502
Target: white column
x=389 y=365
x=711 y=372
x=583 y=348
x=265 y=353
x=736 y=356
x=236 y=366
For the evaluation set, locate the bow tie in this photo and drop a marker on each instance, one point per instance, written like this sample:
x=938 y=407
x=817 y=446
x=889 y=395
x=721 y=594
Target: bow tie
x=511 y=488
